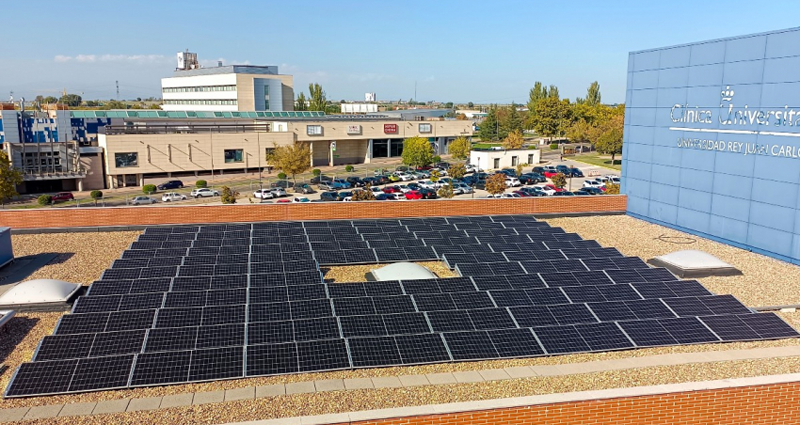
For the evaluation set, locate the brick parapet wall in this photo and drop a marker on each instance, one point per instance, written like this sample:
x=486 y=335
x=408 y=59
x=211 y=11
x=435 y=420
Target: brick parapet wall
x=131 y=216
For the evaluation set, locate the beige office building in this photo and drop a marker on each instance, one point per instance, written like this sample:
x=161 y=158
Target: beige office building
x=174 y=147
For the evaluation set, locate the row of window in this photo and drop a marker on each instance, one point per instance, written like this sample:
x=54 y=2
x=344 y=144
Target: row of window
x=201 y=102
x=131 y=159
x=198 y=89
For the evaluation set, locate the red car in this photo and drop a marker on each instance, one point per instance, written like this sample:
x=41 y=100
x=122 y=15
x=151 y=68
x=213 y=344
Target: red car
x=392 y=189
x=550 y=186
x=413 y=194
x=522 y=194
x=550 y=173
x=63 y=196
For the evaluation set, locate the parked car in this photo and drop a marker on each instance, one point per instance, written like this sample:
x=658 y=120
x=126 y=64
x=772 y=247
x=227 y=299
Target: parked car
x=204 y=193
x=341 y=184
x=413 y=186
x=344 y=194
x=375 y=190
x=329 y=196
x=282 y=183
x=305 y=189
x=300 y=200
x=582 y=192
x=522 y=194
x=172 y=196
x=443 y=165
x=549 y=189
x=327 y=186
x=278 y=192
x=394 y=178
x=532 y=178
x=550 y=173
x=263 y=194
x=404 y=176
x=512 y=182
x=371 y=181
x=564 y=193
x=143 y=200
x=510 y=195
x=594 y=183
x=321 y=178
x=533 y=191
x=508 y=171
x=462 y=189
x=63 y=196
x=392 y=189
x=386 y=197
x=538 y=170
x=428 y=193
x=563 y=169
x=427 y=184
x=593 y=190
x=382 y=179
x=355 y=181
x=576 y=172
x=172 y=184
x=413 y=194
x=404 y=188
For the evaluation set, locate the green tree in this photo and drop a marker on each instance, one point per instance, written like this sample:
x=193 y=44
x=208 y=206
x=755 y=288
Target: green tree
x=154 y=106
x=552 y=92
x=50 y=99
x=417 y=152
x=593 y=94
x=201 y=184
x=609 y=140
x=228 y=195
x=536 y=94
x=514 y=140
x=300 y=104
x=96 y=195
x=511 y=121
x=488 y=130
x=10 y=177
x=448 y=105
x=316 y=96
x=581 y=132
x=435 y=176
x=559 y=180
x=70 y=100
x=470 y=105
x=446 y=191
x=149 y=189
x=551 y=117
x=364 y=194
x=460 y=148
x=520 y=166
x=612 y=189
x=291 y=159
x=496 y=184
x=115 y=104
x=457 y=170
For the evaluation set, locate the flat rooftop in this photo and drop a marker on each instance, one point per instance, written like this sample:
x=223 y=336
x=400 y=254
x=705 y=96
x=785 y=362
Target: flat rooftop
x=85 y=256
x=228 y=69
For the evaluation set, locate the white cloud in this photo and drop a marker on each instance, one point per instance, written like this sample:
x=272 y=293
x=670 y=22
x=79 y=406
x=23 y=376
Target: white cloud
x=112 y=58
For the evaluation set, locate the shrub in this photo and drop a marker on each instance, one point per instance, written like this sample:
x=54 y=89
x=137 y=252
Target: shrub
x=446 y=191
x=363 y=194
x=559 y=180
x=612 y=189
x=437 y=159
x=96 y=195
x=496 y=184
x=349 y=168
x=228 y=195
x=282 y=176
x=201 y=184
x=149 y=188
x=45 y=200
x=316 y=172
x=553 y=146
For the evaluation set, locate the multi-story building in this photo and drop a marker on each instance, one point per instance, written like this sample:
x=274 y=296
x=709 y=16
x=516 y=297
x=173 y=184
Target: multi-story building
x=226 y=88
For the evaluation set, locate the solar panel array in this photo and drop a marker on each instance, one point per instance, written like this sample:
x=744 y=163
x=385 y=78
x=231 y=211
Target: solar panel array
x=199 y=303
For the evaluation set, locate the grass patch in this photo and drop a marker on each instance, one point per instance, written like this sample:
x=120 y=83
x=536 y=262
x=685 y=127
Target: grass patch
x=600 y=161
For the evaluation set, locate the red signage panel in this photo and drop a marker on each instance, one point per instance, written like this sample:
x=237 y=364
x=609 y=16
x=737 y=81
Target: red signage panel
x=390 y=128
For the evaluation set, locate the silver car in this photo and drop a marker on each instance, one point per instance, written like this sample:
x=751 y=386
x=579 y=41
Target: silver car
x=204 y=193
x=143 y=200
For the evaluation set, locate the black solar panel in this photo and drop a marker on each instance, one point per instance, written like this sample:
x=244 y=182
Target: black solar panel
x=197 y=303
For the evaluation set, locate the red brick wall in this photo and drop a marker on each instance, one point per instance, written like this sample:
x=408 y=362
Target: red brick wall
x=767 y=404
x=87 y=217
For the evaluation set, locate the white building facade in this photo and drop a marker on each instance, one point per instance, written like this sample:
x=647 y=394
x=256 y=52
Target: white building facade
x=491 y=159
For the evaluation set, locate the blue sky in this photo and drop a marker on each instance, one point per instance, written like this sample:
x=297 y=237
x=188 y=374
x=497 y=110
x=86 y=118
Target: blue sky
x=456 y=51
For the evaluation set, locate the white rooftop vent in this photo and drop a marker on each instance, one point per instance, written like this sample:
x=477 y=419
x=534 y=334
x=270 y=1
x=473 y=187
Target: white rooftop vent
x=400 y=271
x=694 y=263
x=39 y=291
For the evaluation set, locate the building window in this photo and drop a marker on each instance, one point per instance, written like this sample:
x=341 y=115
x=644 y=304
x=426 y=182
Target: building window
x=266 y=97
x=514 y=161
x=128 y=159
x=314 y=130
x=234 y=155
x=397 y=148
x=496 y=163
x=530 y=159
